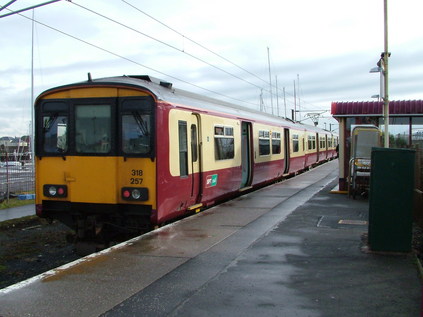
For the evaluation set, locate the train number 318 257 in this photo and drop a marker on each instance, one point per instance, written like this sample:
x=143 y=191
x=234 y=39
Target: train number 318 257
x=136 y=180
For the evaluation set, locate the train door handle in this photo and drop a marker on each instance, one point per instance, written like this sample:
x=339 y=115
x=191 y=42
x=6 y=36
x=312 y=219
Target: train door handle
x=70 y=179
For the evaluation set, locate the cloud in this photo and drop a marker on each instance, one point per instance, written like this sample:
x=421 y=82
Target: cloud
x=329 y=44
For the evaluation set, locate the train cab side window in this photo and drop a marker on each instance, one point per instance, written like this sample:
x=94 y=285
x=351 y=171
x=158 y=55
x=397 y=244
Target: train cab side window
x=55 y=133
x=295 y=143
x=136 y=126
x=183 y=148
x=54 y=127
x=224 y=147
x=136 y=133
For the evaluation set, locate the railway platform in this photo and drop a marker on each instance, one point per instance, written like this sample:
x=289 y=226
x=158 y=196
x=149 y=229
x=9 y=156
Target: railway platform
x=290 y=249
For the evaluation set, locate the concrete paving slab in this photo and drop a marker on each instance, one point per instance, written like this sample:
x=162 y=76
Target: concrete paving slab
x=235 y=216
x=17 y=212
x=257 y=201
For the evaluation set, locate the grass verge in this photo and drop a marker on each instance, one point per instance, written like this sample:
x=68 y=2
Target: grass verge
x=14 y=202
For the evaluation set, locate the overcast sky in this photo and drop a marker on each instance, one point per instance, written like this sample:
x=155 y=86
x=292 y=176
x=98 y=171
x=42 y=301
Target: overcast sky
x=325 y=46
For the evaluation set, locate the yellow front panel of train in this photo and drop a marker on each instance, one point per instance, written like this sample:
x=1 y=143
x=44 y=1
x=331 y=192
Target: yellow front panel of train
x=89 y=179
x=139 y=173
x=92 y=179
x=96 y=179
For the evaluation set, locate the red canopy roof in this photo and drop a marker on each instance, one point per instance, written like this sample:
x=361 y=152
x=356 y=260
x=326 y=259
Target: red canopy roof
x=359 y=108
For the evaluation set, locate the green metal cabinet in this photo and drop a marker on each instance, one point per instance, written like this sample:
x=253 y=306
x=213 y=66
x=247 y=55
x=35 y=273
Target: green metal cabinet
x=391 y=199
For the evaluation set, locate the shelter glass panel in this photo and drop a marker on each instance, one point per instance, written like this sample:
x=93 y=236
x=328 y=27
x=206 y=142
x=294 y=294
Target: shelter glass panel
x=417 y=132
x=399 y=131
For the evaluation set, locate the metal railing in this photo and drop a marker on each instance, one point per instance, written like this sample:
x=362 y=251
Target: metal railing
x=16 y=177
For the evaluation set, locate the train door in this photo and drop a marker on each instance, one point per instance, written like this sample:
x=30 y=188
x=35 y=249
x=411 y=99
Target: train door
x=317 y=147
x=287 y=150
x=196 y=159
x=246 y=154
x=326 y=146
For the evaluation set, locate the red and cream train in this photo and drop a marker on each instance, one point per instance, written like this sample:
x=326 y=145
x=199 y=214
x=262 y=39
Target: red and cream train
x=131 y=152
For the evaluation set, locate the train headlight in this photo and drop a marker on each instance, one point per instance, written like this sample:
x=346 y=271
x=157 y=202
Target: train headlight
x=55 y=191
x=134 y=194
x=52 y=190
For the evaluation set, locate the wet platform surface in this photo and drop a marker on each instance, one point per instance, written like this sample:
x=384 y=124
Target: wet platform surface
x=290 y=249
x=17 y=212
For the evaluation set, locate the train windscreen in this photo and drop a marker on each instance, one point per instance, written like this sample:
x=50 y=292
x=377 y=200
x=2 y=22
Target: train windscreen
x=93 y=128
x=100 y=126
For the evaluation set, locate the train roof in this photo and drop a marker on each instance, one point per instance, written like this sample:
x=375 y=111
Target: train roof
x=165 y=91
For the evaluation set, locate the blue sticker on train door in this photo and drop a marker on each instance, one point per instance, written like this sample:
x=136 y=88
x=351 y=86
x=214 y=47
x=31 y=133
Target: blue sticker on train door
x=211 y=180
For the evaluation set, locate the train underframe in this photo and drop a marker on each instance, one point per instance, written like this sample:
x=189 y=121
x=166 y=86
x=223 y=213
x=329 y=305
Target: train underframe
x=96 y=226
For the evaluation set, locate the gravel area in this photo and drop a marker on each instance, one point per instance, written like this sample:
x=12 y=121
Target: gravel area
x=30 y=246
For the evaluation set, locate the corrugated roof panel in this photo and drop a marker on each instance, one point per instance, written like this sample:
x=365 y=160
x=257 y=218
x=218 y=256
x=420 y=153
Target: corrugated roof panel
x=397 y=107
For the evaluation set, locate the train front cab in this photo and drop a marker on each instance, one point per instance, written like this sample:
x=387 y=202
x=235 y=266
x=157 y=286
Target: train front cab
x=95 y=159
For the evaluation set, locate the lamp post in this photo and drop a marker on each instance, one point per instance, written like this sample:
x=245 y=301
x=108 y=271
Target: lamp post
x=384 y=60
x=382 y=68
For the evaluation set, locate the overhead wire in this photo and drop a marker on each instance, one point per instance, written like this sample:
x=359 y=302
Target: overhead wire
x=25 y=9
x=207 y=49
x=132 y=61
x=166 y=44
x=195 y=42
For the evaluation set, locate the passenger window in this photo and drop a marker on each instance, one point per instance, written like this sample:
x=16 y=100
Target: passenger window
x=295 y=143
x=224 y=147
x=194 y=142
x=322 y=143
x=264 y=143
x=276 y=143
x=311 y=142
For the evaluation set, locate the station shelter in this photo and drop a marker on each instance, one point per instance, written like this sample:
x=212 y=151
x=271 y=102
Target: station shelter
x=405 y=127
